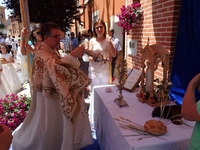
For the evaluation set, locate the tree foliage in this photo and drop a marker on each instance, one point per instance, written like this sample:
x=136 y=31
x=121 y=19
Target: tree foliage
x=62 y=12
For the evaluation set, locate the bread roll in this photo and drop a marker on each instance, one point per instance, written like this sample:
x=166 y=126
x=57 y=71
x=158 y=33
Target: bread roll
x=155 y=127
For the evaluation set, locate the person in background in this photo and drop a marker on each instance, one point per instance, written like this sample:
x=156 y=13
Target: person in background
x=66 y=41
x=85 y=60
x=5 y=137
x=8 y=42
x=99 y=71
x=10 y=69
x=22 y=60
x=34 y=40
x=57 y=118
x=14 y=48
x=83 y=64
x=87 y=39
x=74 y=41
x=190 y=110
x=80 y=38
x=118 y=48
x=2 y=39
x=5 y=53
x=4 y=85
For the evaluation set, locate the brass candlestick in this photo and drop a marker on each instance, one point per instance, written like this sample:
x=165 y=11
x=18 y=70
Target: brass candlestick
x=122 y=75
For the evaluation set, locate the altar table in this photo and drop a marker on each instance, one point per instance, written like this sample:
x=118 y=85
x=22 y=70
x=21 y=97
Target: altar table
x=110 y=136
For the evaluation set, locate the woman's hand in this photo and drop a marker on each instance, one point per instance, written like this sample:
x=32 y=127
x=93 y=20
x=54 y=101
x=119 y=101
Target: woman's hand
x=24 y=32
x=109 y=59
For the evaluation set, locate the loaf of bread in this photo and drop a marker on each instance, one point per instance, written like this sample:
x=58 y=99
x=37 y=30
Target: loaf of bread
x=155 y=127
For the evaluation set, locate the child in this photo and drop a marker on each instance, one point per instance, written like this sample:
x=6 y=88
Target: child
x=4 y=86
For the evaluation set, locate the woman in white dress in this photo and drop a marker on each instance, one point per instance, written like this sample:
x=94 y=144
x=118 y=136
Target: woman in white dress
x=4 y=86
x=9 y=71
x=30 y=46
x=99 y=71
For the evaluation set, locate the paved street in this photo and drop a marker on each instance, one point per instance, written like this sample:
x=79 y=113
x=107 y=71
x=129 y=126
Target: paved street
x=25 y=90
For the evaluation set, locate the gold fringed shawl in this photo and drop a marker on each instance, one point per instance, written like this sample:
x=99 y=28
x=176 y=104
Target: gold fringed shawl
x=59 y=79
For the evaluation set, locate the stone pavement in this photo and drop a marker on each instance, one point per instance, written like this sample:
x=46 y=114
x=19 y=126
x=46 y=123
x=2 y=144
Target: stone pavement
x=25 y=90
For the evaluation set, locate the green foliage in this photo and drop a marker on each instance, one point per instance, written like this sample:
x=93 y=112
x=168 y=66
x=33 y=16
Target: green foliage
x=61 y=12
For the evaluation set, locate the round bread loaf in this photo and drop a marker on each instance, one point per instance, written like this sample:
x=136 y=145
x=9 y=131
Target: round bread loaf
x=155 y=127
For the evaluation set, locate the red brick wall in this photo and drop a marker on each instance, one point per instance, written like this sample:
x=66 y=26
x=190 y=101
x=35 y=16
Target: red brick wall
x=159 y=23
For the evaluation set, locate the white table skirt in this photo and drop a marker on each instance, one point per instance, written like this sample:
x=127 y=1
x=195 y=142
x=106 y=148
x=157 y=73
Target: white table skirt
x=111 y=137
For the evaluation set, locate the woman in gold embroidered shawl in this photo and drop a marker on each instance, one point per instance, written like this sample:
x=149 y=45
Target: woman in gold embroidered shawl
x=57 y=119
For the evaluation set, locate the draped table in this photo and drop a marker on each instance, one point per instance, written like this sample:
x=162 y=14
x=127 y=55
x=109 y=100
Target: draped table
x=112 y=137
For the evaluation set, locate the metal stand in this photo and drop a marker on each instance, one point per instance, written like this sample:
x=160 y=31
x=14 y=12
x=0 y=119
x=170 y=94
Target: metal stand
x=120 y=101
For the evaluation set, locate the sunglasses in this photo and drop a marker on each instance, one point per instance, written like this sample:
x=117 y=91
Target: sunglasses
x=55 y=36
x=97 y=27
x=38 y=33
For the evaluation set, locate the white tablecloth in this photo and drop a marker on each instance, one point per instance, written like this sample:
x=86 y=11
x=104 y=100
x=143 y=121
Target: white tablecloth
x=111 y=137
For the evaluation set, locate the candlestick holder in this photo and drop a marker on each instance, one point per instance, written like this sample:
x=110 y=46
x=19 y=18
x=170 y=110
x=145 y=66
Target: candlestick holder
x=122 y=75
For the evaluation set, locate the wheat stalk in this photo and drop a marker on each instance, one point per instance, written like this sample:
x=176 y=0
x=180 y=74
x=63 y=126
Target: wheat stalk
x=129 y=125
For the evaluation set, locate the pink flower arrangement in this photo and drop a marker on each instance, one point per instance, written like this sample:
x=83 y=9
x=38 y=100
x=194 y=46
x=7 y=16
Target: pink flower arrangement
x=129 y=16
x=13 y=110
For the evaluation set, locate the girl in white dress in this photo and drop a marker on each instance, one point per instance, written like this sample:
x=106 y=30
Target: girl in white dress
x=9 y=71
x=99 y=71
x=4 y=86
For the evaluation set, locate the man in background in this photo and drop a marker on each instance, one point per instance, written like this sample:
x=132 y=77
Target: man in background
x=9 y=43
x=2 y=39
x=116 y=44
x=74 y=41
